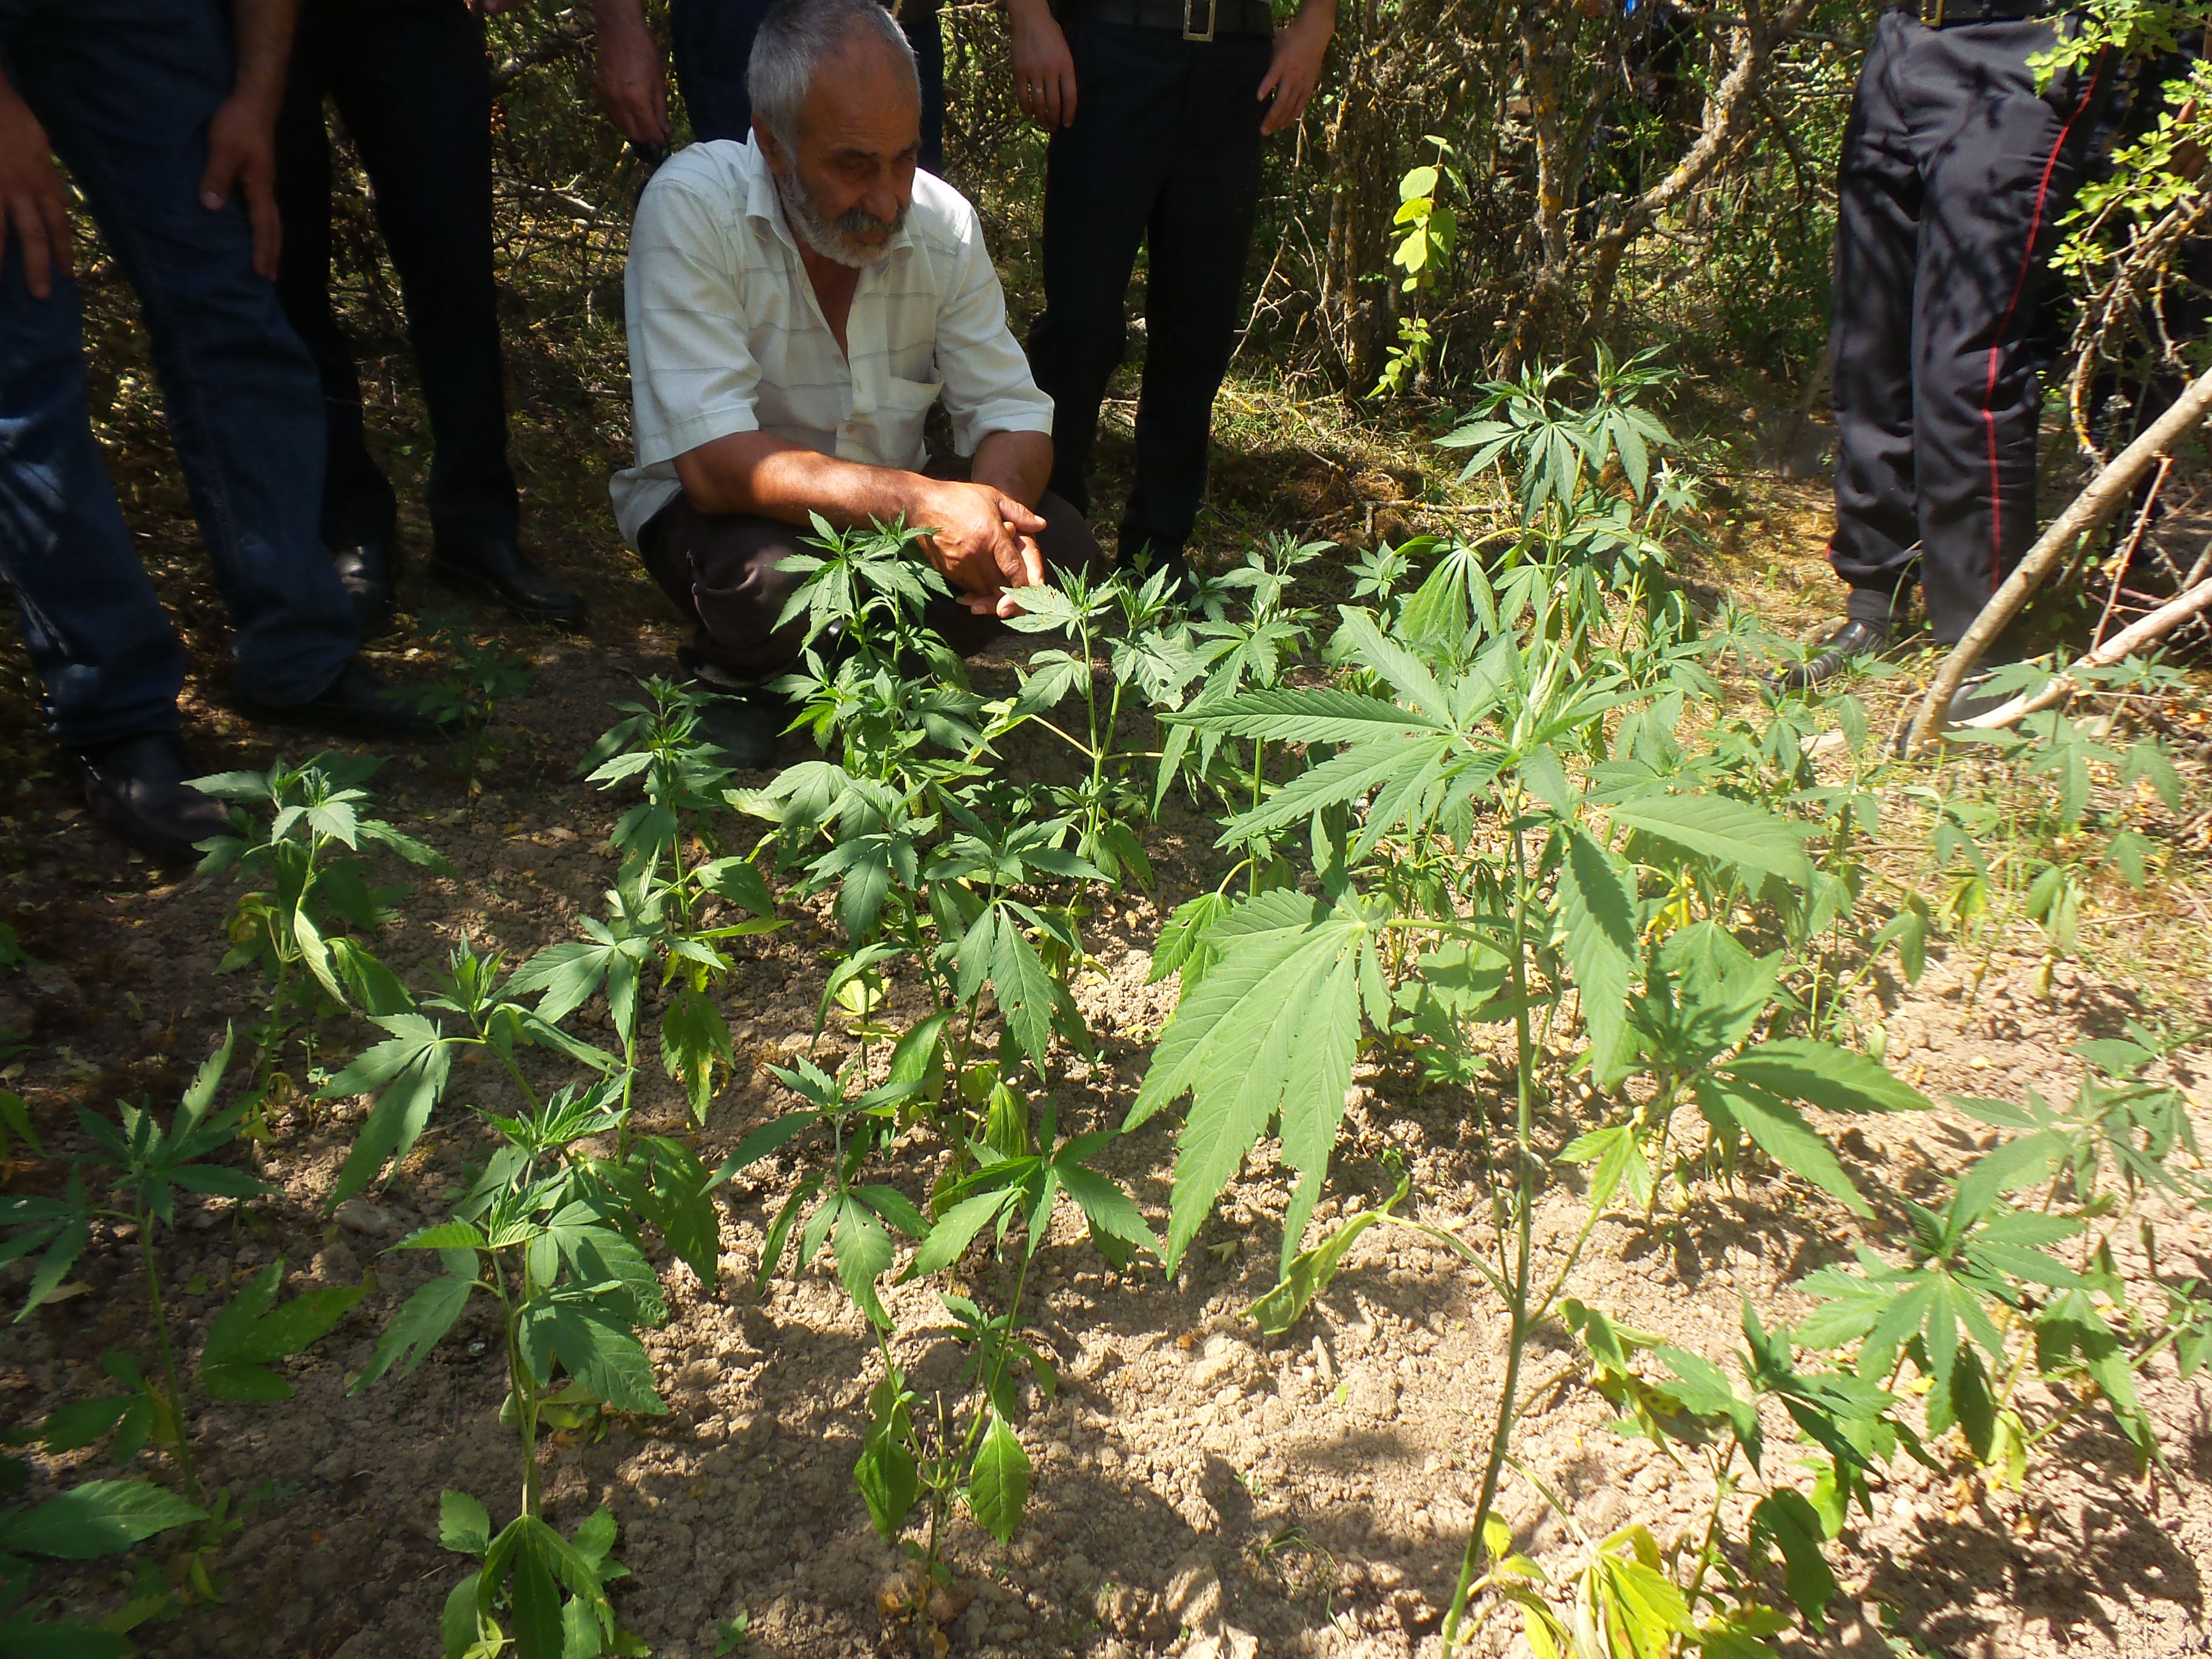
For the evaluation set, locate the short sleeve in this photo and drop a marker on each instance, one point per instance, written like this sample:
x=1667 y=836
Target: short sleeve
x=988 y=385
x=692 y=377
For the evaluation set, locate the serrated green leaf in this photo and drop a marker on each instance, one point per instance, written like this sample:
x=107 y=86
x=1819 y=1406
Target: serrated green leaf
x=1822 y=1074
x=407 y=1071
x=1597 y=910
x=1270 y=1031
x=250 y=1334
x=1784 y=1136
x=999 y=1481
x=1731 y=831
x=464 y=1526
x=1794 y=1526
x=419 y=1326
x=101 y=1517
x=1310 y=1271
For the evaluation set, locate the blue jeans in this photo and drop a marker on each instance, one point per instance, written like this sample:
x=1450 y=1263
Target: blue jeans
x=125 y=89
x=711 y=41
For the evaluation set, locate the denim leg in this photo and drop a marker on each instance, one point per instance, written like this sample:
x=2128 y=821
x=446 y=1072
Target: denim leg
x=125 y=88
x=109 y=660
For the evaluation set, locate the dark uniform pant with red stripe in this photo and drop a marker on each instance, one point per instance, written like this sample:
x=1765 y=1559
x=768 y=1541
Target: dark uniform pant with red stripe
x=1952 y=176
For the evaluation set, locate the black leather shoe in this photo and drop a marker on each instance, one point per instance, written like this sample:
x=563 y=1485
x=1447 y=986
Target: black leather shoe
x=369 y=572
x=137 y=788
x=1851 y=640
x=357 y=705
x=496 y=567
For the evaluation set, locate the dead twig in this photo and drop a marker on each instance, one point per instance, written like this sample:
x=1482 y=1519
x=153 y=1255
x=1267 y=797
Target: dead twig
x=2082 y=518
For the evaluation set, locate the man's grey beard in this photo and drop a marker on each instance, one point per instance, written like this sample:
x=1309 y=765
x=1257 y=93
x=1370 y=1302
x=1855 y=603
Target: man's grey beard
x=838 y=239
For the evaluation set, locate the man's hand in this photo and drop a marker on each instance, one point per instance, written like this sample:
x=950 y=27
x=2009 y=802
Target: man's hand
x=632 y=81
x=1044 y=69
x=984 y=543
x=242 y=156
x=32 y=205
x=1295 y=70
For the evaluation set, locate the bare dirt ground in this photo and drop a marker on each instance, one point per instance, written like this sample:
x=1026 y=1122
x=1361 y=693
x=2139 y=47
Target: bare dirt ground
x=1199 y=1491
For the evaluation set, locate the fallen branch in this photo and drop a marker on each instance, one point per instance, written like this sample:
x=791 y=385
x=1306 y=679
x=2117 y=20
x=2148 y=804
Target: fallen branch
x=2156 y=626
x=2082 y=518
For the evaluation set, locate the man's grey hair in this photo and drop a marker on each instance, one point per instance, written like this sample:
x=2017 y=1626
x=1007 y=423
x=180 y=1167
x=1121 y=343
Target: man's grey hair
x=797 y=37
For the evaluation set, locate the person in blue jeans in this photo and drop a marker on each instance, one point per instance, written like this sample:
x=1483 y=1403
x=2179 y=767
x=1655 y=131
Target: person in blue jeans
x=163 y=111
x=712 y=41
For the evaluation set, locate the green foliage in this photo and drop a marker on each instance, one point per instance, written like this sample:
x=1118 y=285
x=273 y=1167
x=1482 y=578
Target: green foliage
x=551 y=1234
x=1559 y=453
x=551 y=1590
x=669 y=903
x=294 y=928
x=475 y=677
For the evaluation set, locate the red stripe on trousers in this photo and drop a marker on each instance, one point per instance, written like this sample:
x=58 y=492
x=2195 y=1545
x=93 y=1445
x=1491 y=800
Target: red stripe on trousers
x=2004 y=325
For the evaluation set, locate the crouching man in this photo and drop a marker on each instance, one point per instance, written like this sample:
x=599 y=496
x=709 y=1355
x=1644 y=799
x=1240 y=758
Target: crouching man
x=796 y=303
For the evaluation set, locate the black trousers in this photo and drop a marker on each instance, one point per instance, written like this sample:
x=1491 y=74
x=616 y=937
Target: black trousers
x=1165 y=151
x=1953 y=175
x=411 y=81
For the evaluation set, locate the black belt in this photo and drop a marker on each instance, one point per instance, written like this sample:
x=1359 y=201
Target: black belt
x=1954 y=14
x=1195 y=19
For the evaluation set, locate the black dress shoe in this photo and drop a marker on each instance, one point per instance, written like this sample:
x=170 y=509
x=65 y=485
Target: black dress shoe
x=137 y=788
x=358 y=705
x=496 y=567
x=1851 y=640
x=369 y=573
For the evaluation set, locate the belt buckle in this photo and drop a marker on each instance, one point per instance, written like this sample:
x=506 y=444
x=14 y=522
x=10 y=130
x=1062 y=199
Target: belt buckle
x=1213 y=17
x=1931 y=13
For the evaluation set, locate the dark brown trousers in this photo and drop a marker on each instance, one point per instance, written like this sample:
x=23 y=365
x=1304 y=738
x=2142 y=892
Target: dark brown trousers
x=721 y=570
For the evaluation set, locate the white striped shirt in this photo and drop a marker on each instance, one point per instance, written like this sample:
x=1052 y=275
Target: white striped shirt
x=726 y=334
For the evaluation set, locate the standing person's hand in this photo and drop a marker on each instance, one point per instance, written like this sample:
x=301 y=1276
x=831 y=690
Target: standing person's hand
x=1044 y=69
x=1295 y=70
x=242 y=156
x=632 y=80
x=33 y=207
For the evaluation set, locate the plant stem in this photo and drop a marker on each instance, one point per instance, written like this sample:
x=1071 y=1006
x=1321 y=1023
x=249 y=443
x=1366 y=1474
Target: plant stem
x=186 y=1465
x=520 y=1382
x=1524 y=1196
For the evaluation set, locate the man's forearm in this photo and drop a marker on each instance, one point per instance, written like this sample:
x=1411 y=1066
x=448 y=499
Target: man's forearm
x=1018 y=463
x=264 y=30
x=753 y=472
x=609 y=16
